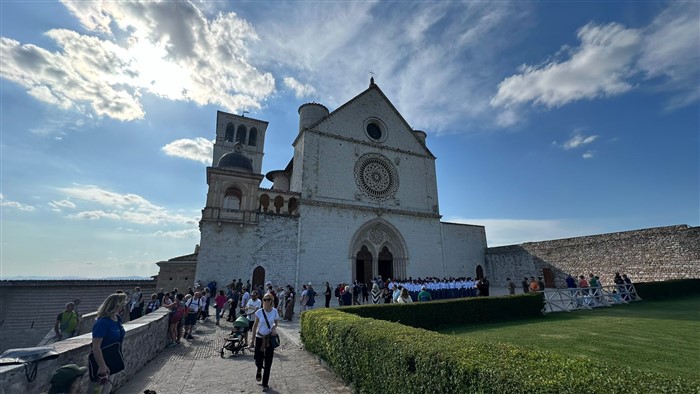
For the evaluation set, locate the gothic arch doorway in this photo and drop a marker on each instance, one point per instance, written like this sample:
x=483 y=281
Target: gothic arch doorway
x=363 y=265
x=258 y=276
x=385 y=264
x=479 y=272
x=382 y=250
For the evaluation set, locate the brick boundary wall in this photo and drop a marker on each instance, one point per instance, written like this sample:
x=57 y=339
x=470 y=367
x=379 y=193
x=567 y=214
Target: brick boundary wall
x=646 y=255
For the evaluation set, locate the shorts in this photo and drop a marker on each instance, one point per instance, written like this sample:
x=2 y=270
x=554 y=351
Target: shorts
x=191 y=319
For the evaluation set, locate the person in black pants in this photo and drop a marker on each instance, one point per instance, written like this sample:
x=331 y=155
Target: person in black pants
x=264 y=328
x=328 y=295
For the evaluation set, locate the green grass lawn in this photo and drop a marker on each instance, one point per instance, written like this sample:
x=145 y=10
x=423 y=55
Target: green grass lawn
x=657 y=336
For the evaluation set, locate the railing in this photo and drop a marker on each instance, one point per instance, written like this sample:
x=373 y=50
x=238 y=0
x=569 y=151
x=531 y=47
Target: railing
x=567 y=300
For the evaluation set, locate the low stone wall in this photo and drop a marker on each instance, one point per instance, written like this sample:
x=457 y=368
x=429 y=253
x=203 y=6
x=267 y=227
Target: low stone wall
x=145 y=338
x=647 y=255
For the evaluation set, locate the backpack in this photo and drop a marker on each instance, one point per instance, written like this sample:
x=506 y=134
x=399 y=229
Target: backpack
x=177 y=313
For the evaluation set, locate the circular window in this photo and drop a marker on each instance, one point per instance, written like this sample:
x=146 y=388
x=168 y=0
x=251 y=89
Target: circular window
x=376 y=176
x=374 y=132
x=375 y=129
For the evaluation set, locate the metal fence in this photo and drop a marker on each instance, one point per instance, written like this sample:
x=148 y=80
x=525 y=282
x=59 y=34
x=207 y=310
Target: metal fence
x=567 y=300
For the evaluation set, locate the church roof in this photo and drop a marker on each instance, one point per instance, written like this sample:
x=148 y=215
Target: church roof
x=372 y=86
x=187 y=257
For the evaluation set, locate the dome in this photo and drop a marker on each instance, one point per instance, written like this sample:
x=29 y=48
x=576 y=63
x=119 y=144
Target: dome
x=235 y=160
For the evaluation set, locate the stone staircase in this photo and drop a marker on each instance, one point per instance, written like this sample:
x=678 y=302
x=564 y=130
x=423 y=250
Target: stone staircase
x=28 y=309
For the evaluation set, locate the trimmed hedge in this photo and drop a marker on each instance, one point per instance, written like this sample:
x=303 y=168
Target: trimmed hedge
x=667 y=289
x=433 y=314
x=375 y=356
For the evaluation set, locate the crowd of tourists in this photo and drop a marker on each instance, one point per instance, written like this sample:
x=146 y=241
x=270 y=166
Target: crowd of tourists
x=262 y=307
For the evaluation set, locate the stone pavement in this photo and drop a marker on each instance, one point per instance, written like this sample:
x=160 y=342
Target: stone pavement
x=196 y=366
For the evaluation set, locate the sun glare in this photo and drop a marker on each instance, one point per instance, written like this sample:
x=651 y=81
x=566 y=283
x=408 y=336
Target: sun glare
x=156 y=74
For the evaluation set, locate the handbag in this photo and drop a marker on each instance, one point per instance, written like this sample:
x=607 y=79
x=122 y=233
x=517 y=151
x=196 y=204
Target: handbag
x=113 y=357
x=274 y=339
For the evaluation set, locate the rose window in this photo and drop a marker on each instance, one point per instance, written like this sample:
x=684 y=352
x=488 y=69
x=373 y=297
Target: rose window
x=376 y=176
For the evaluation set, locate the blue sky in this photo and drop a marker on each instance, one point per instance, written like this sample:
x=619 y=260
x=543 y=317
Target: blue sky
x=548 y=119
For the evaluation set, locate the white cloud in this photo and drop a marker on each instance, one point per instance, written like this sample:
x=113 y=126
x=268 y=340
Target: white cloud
x=191 y=233
x=15 y=204
x=128 y=207
x=436 y=52
x=500 y=232
x=598 y=68
x=670 y=50
x=300 y=90
x=608 y=59
x=58 y=205
x=168 y=49
x=588 y=154
x=94 y=215
x=198 y=149
x=578 y=140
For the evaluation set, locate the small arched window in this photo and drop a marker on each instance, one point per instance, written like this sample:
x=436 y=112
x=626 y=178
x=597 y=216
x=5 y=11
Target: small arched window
x=253 y=137
x=279 y=203
x=230 y=131
x=232 y=198
x=240 y=134
x=264 y=203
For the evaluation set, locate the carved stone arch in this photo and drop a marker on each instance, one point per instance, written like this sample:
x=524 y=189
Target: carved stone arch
x=375 y=235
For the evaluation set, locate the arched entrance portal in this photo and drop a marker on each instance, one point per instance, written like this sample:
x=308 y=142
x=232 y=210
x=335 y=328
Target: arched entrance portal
x=479 y=272
x=258 y=276
x=363 y=265
x=378 y=249
x=385 y=264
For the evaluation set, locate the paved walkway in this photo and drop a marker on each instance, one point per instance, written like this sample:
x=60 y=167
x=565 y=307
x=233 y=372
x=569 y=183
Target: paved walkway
x=196 y=366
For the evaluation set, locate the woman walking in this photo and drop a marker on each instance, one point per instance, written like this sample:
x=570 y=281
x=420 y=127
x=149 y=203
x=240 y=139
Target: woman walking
x=264 y=328
x=219 y=303
x=107 y=331
x=289 y=310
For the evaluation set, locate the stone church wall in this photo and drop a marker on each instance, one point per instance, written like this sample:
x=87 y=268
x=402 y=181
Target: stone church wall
x=325 y=251
x=646 y=255
x=465 y=248
x=234 y=251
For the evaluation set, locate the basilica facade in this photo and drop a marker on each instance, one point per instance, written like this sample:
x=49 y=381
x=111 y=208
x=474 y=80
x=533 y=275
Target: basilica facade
x=357 y=200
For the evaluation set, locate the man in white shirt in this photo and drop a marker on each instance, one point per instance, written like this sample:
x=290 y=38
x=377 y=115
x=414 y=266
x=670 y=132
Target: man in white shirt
x=251 y=307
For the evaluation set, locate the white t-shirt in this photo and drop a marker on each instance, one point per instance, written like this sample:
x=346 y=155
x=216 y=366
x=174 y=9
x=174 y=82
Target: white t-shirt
x=251 y=307
x=272 y=316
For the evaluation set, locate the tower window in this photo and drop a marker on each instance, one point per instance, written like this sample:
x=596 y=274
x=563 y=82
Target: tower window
x=232 y=198
x=253 y=137
x=240 y=134
x=230 y=130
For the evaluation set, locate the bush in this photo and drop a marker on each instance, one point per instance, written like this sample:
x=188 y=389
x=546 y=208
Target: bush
x=374 y=356
x=431 y=315
x=667 y=289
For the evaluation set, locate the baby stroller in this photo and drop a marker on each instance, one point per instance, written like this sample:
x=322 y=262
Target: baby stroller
x=237 y=341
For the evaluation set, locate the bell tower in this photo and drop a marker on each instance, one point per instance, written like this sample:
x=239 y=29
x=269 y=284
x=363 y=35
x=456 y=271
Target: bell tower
x=236 y=129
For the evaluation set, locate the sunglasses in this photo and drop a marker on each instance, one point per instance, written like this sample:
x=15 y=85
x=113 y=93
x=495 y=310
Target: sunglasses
x=267 y=299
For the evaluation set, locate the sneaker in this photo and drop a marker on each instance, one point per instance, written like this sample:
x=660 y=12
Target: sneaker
x=266 y=388
x=258 y=376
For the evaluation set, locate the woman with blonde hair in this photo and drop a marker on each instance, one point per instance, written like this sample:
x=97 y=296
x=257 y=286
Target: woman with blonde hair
x=107 y=331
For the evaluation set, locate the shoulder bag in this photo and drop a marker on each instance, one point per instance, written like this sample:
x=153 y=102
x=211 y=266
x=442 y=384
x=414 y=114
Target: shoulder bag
x=113 y=357
x=274 y=339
